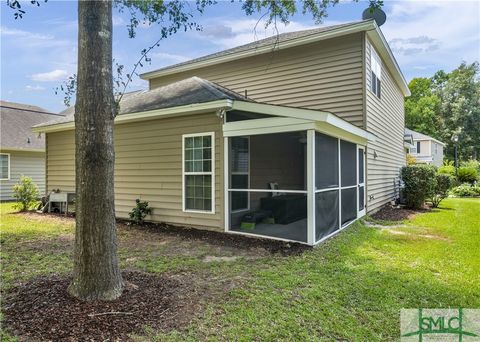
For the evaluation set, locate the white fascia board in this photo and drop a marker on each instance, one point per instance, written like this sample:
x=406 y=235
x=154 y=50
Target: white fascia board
x=298 y=119
x=350 y=128
x=148 y=115
x=266 y=126
x=378 y=39
x=314 y=37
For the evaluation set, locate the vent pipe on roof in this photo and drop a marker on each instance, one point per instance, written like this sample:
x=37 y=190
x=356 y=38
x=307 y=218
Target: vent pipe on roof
x=376 y=14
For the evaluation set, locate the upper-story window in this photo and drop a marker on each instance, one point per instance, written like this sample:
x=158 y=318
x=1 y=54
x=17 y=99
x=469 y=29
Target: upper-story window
x=376 y=71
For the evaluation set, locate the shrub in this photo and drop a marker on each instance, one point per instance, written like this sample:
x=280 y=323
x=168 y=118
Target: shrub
x=475 y=164
x=466 y=190
x=140 y=211
x=411 y=160
x=443 y=183
x=467 y=174
x=26 y=193
x=419 y=184
x=447 y=170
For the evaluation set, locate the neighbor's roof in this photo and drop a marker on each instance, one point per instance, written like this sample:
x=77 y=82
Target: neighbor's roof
x=420 y=136
x=190 y=91
x=16 y=121
x=290 y=39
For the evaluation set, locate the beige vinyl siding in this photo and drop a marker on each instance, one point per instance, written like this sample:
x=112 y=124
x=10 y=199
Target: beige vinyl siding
x=148 y=166
x=325 y=75
x=386 y=119
x=31 y=164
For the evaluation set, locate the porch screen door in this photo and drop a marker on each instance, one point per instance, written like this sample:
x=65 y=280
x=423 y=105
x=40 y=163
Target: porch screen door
x=361 y=181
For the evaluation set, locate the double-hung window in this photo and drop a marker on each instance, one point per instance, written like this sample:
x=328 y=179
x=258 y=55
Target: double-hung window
x=376 y=73
x=198 y=172
x=4 y=166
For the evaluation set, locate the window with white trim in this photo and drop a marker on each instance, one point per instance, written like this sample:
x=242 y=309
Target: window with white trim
x=376 y=73
x=4 y=166
x=198 y=177
x=418 y=147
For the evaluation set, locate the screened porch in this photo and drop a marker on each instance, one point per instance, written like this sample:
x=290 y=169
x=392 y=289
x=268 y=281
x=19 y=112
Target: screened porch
x=292 y=180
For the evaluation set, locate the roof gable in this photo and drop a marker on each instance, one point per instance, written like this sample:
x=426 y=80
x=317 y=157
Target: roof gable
x=16 y=121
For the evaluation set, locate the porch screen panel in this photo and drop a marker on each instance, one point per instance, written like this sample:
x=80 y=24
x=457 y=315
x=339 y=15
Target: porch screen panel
x=348 y=157
x=326 y=161
x=361 y=176
x=326 y=213
x=239 y=167
x=361 y=198
x=349 y=205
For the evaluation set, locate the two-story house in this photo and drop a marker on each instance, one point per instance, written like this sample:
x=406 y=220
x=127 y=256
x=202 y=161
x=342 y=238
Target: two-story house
x=425 y=149
x=291 y=137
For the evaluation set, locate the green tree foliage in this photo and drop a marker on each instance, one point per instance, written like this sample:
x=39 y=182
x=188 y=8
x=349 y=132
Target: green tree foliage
x=422 y=108
x=26 y=193
x=448 y=104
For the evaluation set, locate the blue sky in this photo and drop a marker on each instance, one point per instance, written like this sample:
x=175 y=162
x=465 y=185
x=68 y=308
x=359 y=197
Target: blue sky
x=39 y=51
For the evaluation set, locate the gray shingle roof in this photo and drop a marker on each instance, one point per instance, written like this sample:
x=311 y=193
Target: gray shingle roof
x=270 y=41
x=419 y=136
x=16 y=121
x=186 y=92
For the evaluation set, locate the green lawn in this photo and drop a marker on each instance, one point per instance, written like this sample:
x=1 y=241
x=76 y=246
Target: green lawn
x=350 y=288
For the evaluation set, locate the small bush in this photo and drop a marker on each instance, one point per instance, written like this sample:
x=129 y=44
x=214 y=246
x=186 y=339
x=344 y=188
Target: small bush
x=419 y=184
x=140 y=211
x=467 y=174
x=443 y=183
x=475 y=164
x=447 y=170
x=26 y=193
x=411 y=160
x=466 y=190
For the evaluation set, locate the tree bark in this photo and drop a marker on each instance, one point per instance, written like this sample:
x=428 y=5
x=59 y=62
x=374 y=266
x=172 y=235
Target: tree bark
x=96 y=274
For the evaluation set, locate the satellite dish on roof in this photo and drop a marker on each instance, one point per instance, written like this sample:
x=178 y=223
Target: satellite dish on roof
x=378 y=15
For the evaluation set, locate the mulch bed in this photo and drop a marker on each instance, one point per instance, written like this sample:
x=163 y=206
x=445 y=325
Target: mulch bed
x=42 y=310
x=390 y=213
x=223 y=239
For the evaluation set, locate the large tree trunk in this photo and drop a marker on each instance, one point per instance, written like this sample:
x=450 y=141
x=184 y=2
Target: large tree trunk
x=96 y=274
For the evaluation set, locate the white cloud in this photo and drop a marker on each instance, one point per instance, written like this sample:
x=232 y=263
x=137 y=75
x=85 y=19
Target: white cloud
x=231 y=33
x=54 y=75
x=437 y=34
x=16 y=33
x=169 y=57
x=34 y=88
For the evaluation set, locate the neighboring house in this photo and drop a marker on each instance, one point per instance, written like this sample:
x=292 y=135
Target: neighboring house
x=425 y=149
x=291 y=137
x=22 y=152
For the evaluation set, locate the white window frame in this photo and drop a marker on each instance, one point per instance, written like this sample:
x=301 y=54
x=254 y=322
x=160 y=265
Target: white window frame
x=376 y=68
x=243 y=173
x=8 y=163
x=211 y=173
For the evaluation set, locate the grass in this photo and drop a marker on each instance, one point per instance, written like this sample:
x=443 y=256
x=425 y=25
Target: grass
x=351 y=287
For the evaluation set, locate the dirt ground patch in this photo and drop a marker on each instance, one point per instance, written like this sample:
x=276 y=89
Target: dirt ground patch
x=390 y=213
x=41 y=309
x=223 y=241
